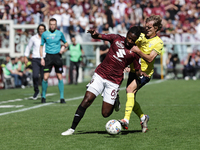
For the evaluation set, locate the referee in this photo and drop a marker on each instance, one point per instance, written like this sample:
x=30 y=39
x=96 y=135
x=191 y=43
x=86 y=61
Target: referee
x=35 y=42
x=54 y=52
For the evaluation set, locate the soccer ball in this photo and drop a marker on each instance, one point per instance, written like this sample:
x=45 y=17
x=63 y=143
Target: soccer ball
x=113 y=126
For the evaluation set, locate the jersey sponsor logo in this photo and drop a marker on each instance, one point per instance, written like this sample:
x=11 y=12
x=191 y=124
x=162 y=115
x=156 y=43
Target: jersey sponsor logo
x=119 y=44
x=121 y=53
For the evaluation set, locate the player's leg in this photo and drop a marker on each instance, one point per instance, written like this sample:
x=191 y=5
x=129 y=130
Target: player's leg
x=59 y=70
x=109 y=95
x=87 y=101
x=36 y=69
x=61 y=87
x=44 y=86
x=131 y=89
x=137 y=109
x=94 y=89
x=47 y=70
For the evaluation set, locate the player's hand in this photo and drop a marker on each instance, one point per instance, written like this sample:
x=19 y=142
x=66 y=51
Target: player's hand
x=25 y=61
x=127 y=69
x=93 y=33
x=144 y=74
x=135 y=49
x=62 y=50
x=42 y=62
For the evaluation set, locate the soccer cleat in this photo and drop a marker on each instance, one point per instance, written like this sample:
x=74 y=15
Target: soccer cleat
x=124 y=124
x=144 y=124
x=68 y=132
x=43 y=100
x=35 y=96
x=117 y=103
x=62 y=101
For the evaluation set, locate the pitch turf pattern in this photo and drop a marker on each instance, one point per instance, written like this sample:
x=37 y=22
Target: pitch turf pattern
x=173 y=107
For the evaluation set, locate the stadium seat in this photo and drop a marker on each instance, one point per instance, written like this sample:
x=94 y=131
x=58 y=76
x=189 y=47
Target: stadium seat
x=8 y=82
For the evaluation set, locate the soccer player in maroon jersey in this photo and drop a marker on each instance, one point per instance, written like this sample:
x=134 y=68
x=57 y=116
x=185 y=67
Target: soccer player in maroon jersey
x=109 y=74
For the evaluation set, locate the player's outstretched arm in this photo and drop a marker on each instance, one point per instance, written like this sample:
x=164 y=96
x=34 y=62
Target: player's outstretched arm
x=94 y=34
x=149 y=58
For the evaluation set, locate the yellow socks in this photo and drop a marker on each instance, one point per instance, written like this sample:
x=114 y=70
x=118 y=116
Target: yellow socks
x=137 y=109
x=129 y=105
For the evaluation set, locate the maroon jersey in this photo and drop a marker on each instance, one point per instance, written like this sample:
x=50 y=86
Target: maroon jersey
x=117 y=58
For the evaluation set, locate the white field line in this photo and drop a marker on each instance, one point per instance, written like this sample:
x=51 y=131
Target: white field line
x=70 y=99
x=26 y=98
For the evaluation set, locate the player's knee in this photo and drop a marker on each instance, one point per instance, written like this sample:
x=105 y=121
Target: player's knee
x=129 y=90
x=106 y=114
x=87 y=101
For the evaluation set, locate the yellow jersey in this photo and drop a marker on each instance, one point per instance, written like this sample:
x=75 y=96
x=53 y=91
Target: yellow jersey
x=146 y=46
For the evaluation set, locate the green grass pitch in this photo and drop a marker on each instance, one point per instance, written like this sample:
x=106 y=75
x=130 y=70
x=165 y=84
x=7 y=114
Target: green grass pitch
x=173 y=107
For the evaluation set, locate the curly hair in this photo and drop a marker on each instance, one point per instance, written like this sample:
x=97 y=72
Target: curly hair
x=135 y=30
x=157 y=21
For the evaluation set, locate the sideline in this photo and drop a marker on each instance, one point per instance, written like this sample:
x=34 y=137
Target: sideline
x=70 y=99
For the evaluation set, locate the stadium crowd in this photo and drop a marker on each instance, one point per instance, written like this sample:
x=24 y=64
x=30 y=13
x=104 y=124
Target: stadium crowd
x=179 y=16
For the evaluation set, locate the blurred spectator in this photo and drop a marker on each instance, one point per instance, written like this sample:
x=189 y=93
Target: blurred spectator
x=99 y=22
x=83 y=22
x=122 y=6
x=58 y=17
x=76 y=51
x=189 y=68
x=170 y=28
x=110 y=17
x=147 y=11
x=105 y=29
x=72 y=31
x=117 y=15
x=138 y=13
x=171 y=62
x=92 y=19
x=23 y=3
x=2 y=14
x=172 y=10
x=182 y=14
x=197 y=59
x=74 y=22
x=104 y=50
x=77 y=9
x=13 y=72
x=29 y=12
x=157 y=9
x=121 y=29
x=21 y=15
x=65 y=4
x=66 y=22
x=129 y=15
x=86 y=7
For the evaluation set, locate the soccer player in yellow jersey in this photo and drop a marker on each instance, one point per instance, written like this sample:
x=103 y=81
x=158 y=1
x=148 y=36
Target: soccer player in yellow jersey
x=149 y=45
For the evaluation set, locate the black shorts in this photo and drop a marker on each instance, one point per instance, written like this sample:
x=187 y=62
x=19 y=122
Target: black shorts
x=140 y=81
x=53 y=60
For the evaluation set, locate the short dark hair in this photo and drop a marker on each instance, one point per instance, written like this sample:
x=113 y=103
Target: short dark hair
x=41 y=25
x=52 y=19
x=135 y=30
